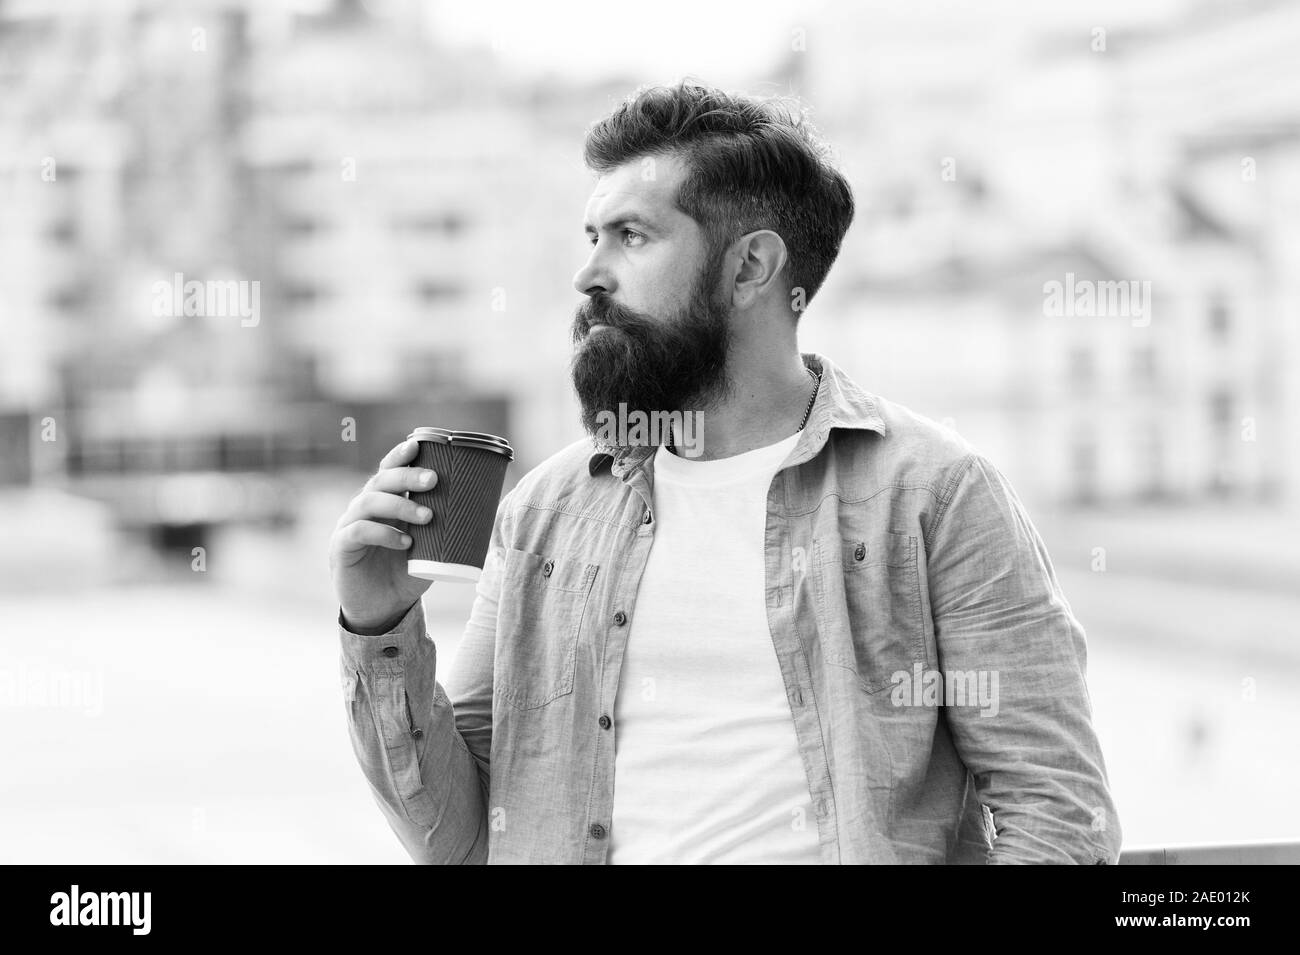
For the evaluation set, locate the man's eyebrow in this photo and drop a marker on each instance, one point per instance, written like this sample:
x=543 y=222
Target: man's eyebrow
x=623 y=219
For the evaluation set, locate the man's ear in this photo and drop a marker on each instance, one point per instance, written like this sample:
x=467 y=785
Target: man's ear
x=762 y=256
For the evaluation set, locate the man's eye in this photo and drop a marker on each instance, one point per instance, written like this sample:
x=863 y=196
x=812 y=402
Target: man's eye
x=630 y=237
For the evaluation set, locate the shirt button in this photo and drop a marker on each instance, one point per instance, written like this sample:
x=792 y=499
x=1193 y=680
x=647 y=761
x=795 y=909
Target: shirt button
x=547 y=568
x=860 y=552
x=605 y=722
x=391 y=651
x=647 y=518
x=620 y=618
x=597 y=831
x=417 y=733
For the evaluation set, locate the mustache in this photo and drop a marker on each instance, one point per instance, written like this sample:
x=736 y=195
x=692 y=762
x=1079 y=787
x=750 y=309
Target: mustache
x=600 y=309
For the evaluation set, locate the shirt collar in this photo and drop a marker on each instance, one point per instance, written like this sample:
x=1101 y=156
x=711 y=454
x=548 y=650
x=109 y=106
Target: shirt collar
x=840 y=403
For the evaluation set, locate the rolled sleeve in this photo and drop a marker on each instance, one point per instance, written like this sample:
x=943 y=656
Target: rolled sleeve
x=999 y=610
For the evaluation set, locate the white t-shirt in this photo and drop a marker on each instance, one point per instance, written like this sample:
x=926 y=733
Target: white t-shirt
x=707 y=768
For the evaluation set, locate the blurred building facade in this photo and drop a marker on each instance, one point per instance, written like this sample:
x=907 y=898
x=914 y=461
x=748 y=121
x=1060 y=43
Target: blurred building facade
x=378 y=195
x=401 y=207
x=1044 y=153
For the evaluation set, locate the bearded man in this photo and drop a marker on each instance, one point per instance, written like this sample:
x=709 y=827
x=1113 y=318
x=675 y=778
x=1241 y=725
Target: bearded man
x=815 y=628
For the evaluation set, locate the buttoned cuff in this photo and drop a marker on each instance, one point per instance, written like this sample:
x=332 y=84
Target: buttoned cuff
x=362 y=651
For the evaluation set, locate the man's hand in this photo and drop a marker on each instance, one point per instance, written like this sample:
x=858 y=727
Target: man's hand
x=368 y=547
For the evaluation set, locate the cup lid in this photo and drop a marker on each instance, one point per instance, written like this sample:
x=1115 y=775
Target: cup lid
x=482 y=436
x=440 y=435
x=485 y=442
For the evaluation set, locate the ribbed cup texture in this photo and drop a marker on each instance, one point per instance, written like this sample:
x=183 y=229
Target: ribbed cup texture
x=429 y=539
x=464 y=503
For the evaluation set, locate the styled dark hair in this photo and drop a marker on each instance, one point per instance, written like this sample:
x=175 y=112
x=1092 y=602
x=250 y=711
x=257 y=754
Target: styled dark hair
x=753 y=163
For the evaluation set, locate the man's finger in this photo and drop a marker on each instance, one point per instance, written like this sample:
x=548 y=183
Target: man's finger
x=361 y=534
x=399 y=480
x=404 y=453
x=383 y=506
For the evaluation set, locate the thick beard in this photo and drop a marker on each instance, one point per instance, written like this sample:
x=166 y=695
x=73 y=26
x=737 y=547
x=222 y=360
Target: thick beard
x=649 y=364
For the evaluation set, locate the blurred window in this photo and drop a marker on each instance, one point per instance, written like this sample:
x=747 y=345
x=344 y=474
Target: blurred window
x=191 y=454
x=431 y=290
x=424 y=368
x=67 y=298
x=1150 y=461
x=239 y=452
x=300 y=295
x=1221 y=410
x=442 y=223
x=1220 y=316
x=63 y=230
x=303 y=225
x=1222 y=416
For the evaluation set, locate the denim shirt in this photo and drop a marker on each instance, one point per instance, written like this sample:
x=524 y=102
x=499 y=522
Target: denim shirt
x=934 y=670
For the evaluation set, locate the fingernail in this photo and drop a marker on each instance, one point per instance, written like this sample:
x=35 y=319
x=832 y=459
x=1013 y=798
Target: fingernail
x=424 y=513
x=405 y=540
x=426 y=477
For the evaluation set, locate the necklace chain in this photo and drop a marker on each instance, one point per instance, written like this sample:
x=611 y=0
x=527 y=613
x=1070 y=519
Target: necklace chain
x=812 y=399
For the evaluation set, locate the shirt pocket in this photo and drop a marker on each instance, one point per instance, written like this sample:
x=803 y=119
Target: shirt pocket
x=543 y=602
x=870 y=602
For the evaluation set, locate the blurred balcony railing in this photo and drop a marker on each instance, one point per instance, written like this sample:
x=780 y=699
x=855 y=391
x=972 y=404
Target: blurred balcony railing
x=1244 y=853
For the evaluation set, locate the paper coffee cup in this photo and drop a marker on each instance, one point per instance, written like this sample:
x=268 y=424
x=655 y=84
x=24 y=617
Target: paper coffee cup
x=471 y=469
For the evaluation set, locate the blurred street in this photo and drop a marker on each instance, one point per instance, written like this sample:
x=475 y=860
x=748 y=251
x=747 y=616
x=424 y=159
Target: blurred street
x=221 y=736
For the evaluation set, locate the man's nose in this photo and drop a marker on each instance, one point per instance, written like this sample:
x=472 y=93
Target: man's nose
x=594 y=277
